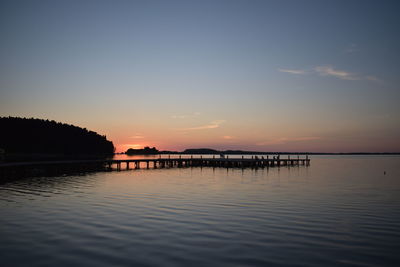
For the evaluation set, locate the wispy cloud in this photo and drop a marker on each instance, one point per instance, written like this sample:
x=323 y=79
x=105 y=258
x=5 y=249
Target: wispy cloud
x=137 y=136
x=292 y=71
x=341 y=74
x=135 y=146
x=211 y=125
x=185 y=116
x=373 y=79
x=228 y=137
x=285 y=140
x=327 y=70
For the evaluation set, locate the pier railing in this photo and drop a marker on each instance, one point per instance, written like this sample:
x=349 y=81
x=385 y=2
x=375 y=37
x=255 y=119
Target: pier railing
x=200 y=161
x=154 y=163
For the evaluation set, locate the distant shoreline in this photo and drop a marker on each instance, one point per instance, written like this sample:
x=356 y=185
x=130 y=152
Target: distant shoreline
x=283 y=153
x=26 y=157
x=244 y=152
x=272 y=153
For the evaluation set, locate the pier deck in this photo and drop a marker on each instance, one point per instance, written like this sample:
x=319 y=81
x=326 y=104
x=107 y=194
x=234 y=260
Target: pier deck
x=179 y=162
x=207 y=162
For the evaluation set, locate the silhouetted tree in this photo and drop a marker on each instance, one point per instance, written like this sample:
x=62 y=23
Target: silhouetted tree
x=145 y=151
x=23 y=135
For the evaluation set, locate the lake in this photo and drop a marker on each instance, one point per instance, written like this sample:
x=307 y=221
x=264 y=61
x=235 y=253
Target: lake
x=340 y=210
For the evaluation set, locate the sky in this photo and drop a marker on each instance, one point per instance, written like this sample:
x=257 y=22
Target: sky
x=317 y=76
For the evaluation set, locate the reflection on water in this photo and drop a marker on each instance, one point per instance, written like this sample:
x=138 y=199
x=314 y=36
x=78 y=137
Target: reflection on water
x=339 y=210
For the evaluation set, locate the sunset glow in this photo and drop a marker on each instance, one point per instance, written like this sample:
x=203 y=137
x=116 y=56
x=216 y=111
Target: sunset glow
x=259 y=75
x=199 y=133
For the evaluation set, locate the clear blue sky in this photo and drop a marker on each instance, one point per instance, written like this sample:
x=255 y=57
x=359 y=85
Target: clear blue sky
x=260 y=75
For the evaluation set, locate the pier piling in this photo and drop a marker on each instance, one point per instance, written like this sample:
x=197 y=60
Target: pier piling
x=180 y=162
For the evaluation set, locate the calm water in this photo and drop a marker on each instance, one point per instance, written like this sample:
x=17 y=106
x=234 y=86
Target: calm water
x=338 y=211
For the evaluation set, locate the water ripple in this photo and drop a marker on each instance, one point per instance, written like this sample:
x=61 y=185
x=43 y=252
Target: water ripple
x=328 y=214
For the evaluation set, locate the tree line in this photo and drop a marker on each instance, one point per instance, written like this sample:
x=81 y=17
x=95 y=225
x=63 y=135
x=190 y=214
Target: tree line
x=30 y=135
x=145 y=151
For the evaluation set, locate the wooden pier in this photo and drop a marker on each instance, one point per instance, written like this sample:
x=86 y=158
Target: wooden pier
x=215 y=162
x=151 y=163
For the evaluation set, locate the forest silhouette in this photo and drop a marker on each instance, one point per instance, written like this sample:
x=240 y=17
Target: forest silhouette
x=145 y=151
x=30 y=135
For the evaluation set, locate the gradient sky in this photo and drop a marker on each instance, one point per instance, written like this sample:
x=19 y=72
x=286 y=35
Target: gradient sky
x=257 y=75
